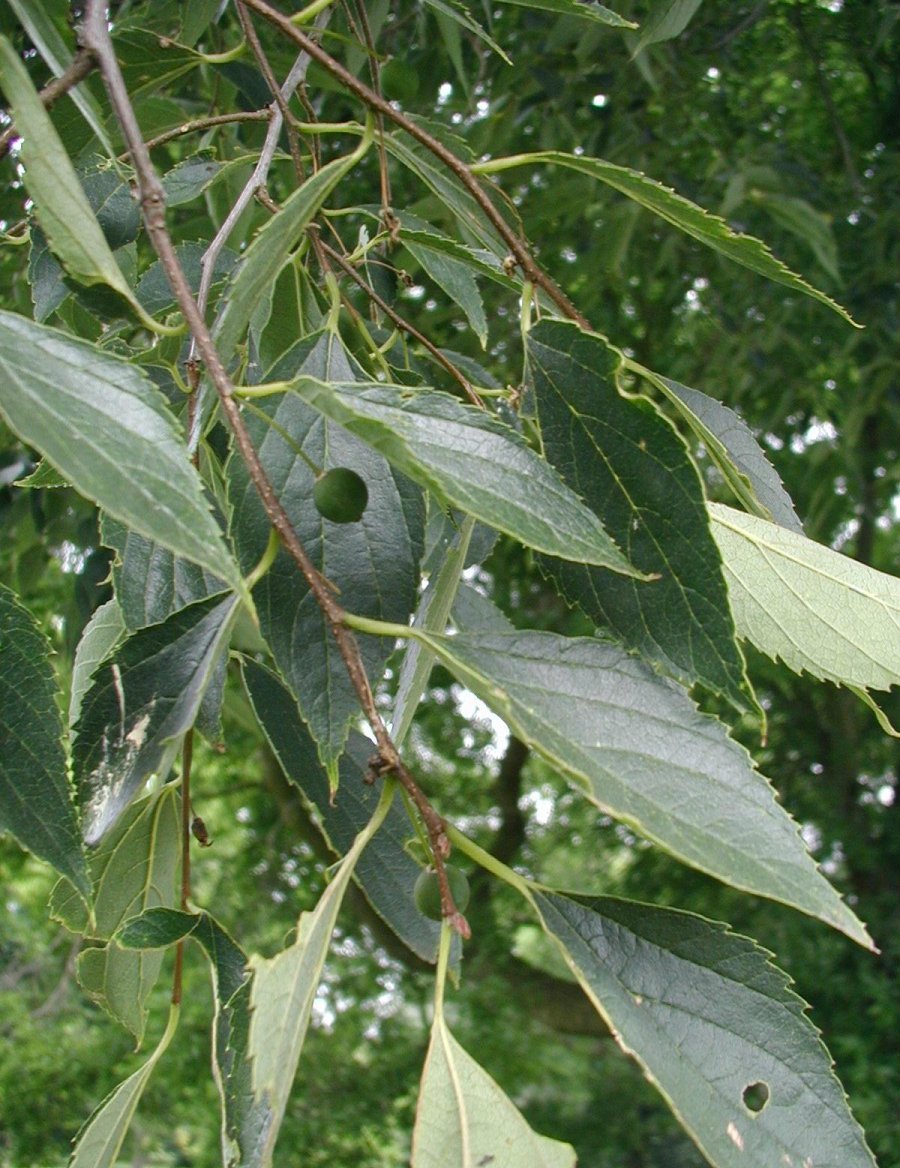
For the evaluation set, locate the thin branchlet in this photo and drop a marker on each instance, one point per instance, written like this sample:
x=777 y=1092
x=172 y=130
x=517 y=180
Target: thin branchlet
x=97 y=41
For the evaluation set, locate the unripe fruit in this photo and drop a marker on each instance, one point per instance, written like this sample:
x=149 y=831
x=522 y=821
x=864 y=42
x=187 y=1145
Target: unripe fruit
x=427 y=892
x=340 y=495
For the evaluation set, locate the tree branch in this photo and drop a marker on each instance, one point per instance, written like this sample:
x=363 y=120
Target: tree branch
x=529 y=266
x=97 y=40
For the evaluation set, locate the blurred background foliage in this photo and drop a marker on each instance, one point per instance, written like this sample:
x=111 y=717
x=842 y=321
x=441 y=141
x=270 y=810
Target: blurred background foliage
x=783 y=116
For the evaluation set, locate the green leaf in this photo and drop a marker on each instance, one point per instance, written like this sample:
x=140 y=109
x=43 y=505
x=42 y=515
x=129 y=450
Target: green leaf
x=36 y=803
x=140 y=705
x=150 y=582
x=465 y=1119
x=804 y=221
x=456 y=11
x=270 y=250
x=190 y=178
x=157 y=928
x=713 y=1024
x=457 y=281
x=708 y=229
x=731 y=444
x=106 y=427
x=282 y=994
x=385 y=872
x=135 y=868
x=374 y=562
x=668 y=20
x=61 y=205
x=43 y=31
x=100 y=1140
x=101 y=635
x=245 y=1120
x=468 y=458
x=588 y=10
x=807 y=605
x=626 y=460
x=636 y=745
x=448 y=190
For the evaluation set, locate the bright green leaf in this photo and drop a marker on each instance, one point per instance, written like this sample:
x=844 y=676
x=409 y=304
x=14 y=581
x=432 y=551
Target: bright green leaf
x=807 y=605
x=106 y=427
x=100 y=1140
x=135 y=868
x=636 y=745
x=715 y=1027
x=283 y=990
x=44 y=33
x=268 y=252
x=457 y=281
x=688 y=217
x=62 y=207
x=464 y=1118
x=101 y=635
x=36 y=803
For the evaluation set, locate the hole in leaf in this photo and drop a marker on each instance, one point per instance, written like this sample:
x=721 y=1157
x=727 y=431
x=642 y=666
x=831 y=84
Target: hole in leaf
x=755 y=1097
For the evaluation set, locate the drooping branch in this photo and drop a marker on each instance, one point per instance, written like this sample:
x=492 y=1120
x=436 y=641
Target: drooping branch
x=531 y=270
x=96 y=39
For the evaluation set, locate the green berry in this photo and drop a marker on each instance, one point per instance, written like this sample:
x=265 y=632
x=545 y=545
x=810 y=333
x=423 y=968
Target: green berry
x=340 y=495
x=427 y=892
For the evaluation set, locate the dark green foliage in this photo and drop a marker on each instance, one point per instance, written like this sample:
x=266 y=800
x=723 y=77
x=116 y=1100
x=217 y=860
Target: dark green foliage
x=537 y=504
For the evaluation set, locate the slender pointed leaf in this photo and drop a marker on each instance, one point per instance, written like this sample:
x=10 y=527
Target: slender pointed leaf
x=374 y=562
x=43 y=32
x=283 y=989
x=456 y=11
x=809 y=606
x=637 y=746
x=62 y=207
x=268 y=252
x=140 y=705
x=667 y=21
x=626 y=460
x=464 y=1118
x=106 y=427
x=470 y=459
x=385 y=872
x=583 y=8
x=457 y=281
x=245 y=1120
x=688 y=217
x=36 y=802
x=730 y=441
x=100 y=1141
x=715 y=1027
